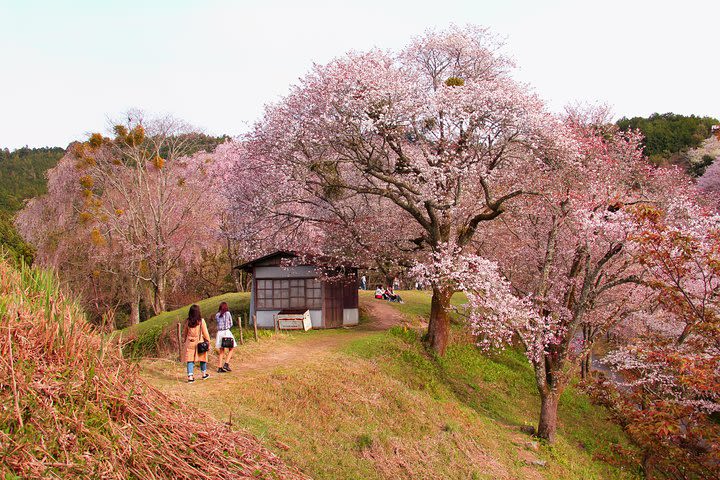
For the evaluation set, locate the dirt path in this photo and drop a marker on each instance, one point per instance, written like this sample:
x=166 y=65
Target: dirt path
x=288 y=386
x=382 y=314
x=291 y=348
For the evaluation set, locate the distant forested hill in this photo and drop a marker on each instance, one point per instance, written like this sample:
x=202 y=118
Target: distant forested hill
x=22 y=176
x=669 y=137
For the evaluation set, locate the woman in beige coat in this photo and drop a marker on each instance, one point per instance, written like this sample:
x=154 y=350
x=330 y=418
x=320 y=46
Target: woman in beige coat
x=195 y=332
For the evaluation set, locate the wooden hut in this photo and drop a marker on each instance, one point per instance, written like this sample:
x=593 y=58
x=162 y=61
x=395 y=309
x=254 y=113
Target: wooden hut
x=281 y=285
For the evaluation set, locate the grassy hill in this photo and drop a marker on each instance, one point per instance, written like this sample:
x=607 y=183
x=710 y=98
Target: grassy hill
x=72 y=407
x=151 y=337
x=363 y=404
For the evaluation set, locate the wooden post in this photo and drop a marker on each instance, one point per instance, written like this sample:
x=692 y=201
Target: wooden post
x=277 y=323
x=255 y=326
x=179 y=340
x=242 y=341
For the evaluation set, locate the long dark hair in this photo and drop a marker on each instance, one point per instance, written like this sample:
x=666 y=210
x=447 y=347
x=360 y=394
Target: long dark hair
x=223 y=308
x=194 y=316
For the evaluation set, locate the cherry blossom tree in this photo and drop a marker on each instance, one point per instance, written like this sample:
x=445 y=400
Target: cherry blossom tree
x=65 y=240
x=436 y=138
x=667 y=367
x=142 y=203
x=564 y=255
x=148 y=192
x=269 y=209
x=710 y=181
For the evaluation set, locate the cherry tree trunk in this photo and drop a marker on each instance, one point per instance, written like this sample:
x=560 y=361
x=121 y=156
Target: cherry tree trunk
x=439 y=326
x=237 y=276
x=548 y=415
x=135 y=311
x=134 y=300
x=585 y=366
x=159 y=298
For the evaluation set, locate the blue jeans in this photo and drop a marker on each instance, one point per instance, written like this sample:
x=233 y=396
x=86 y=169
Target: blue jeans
x=191 y=366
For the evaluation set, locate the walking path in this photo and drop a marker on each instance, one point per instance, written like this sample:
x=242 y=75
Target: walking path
x=287 y=386
x=382 y=315
x=289 y=348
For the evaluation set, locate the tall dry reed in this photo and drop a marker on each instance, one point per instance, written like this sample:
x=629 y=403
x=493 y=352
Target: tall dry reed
x=72 y=407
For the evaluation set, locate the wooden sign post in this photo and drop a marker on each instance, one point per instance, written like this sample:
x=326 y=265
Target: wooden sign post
x=179 y=340
x=242 y=342
x=255 y=326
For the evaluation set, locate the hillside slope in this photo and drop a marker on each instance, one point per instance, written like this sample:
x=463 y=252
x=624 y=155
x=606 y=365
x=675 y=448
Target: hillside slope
x=22 y=176
x=367 y=404
x=71 y=407
x=669 y=136
x=710 y=149
x=155 y=335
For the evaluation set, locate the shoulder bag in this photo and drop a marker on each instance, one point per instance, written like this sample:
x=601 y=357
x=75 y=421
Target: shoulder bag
x=203 y=346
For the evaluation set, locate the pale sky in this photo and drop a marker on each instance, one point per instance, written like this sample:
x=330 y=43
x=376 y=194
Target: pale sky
x=67 y=66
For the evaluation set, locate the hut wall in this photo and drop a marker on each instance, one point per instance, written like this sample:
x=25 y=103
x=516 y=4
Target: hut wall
x=345 y=297
x=285 y=272
x=316 y=318
x=351 y=316
x=266 y=318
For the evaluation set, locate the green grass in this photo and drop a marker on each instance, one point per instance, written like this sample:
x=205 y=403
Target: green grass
x=379 y=405
x=417 y=302
x=498 y=392
x=146 y=338
x=502 y=386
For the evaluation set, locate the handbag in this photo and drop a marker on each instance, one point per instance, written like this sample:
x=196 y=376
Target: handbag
x=203 y=346
x=227 y=342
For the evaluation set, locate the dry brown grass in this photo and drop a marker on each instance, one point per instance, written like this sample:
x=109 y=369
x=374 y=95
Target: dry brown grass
x=71 y=407
x=368 y=405
x=344 y=418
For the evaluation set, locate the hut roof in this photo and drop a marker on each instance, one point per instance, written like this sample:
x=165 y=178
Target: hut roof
x=247 y=266
x=283 y=254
